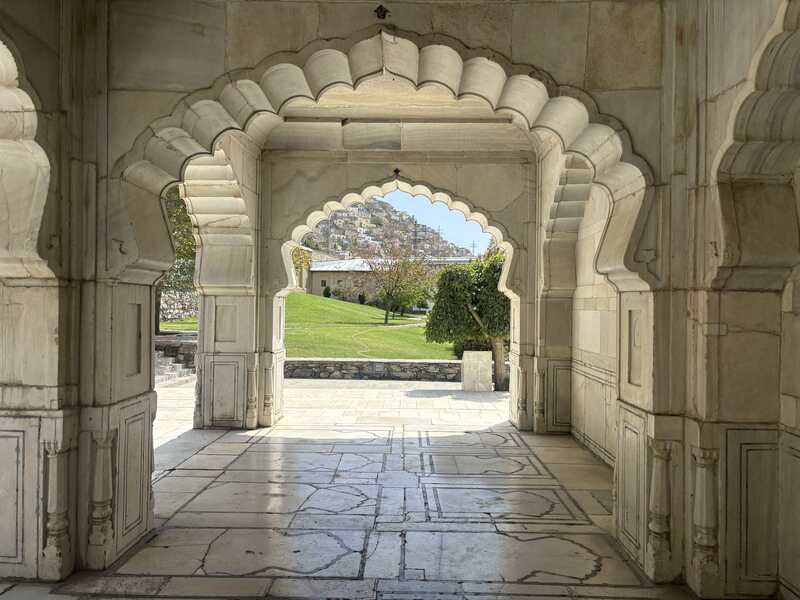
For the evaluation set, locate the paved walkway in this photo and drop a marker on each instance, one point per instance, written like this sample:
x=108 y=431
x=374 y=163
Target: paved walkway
x=371 y=490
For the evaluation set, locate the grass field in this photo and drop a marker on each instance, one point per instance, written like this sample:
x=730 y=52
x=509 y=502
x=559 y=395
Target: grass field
x=325 y=327
x=180 y=325
x=329 y=328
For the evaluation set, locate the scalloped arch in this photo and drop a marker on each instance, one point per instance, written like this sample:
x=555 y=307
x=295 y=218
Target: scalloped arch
x=311 y=219
x=256 y=108
x=756 y=169
x=222 y=227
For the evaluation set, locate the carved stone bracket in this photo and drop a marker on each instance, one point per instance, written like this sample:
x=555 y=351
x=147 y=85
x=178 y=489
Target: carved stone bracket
x=705 y=555
x=57 y=553
x=101 y=528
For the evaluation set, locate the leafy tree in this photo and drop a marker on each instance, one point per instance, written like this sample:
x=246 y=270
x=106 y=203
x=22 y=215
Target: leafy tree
x=398 y=273
x=327 y=291
x=180 y=276
x=468 y=306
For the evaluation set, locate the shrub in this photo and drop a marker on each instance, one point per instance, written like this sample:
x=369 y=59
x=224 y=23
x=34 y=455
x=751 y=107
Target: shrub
x=362 y=298
x=327 y=291
x=460 y=347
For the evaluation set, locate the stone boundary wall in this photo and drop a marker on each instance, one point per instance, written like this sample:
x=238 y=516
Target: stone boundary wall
x=182 y=348
x=354 y=368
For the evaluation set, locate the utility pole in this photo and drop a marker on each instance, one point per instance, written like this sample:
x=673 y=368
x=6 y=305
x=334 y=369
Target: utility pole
x=473 y=248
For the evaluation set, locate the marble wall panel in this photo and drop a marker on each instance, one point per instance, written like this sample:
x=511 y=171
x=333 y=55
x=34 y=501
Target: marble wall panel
x=224 y=390
x=751 y=510
x=789 y=524
x=564 y=55
x=624 y=45
x=484 y=25
x=749 y=389
x=228 y=323
x=631 y=469
x=19 y=493
x=29 y=373
x=168 y=45
x=131 y=340
x=256 y=30
x=133 y=470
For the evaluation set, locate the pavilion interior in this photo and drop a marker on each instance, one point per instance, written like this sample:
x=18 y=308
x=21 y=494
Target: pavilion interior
x=635 y=161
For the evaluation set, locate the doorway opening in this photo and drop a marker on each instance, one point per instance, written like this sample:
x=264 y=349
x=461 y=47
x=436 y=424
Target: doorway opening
x=363 y=312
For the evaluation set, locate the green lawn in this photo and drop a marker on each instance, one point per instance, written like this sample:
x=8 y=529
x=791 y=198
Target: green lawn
x=325 y=327
x=189 y=324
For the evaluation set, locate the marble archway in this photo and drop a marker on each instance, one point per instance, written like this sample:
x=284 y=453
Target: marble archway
x=323 y=108
x=338 y=94
x=747 y=302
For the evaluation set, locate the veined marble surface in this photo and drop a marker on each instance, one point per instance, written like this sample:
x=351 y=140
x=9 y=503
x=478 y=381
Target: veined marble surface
x=372 y=490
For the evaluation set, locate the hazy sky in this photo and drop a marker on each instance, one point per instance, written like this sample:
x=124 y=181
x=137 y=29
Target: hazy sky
x=454 y=227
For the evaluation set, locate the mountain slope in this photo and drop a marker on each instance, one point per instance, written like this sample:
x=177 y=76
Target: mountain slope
x=363 y=227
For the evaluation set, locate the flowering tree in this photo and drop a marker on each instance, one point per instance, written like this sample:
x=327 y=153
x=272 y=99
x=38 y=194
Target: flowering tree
x=400 y=275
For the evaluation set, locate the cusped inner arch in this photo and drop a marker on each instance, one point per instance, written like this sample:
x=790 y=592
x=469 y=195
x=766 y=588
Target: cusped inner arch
x=25 y=172
x=389 y=77
x=378 y=190
x=759 y=241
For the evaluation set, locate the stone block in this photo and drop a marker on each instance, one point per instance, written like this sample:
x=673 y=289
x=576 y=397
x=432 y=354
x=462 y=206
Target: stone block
x=340 y=19
x=476 y=25
x=564 y=55
x=639 y=111
x=476 y=371
x=175 y=45
x=624 y=45
x=256 y=30
x=130 y=112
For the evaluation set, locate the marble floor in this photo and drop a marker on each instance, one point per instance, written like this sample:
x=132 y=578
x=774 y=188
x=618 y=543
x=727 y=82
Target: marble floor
x=373 y=490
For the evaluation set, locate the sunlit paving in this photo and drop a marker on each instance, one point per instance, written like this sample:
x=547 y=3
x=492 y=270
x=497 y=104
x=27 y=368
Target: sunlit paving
x=371 y=489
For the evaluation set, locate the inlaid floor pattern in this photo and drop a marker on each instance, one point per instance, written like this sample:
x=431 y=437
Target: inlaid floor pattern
x=373 y=490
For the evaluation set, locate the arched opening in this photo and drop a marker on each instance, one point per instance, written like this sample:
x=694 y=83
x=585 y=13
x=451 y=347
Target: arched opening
x=460 y=123
x=431 y=263
x=747 y=276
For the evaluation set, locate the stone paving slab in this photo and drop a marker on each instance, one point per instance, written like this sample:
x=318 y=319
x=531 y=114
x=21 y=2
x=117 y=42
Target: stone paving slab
x=348 y=508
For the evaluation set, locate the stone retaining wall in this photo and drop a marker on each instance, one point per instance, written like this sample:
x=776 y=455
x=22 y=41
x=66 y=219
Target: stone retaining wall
x=344 y=368
x=181 y=347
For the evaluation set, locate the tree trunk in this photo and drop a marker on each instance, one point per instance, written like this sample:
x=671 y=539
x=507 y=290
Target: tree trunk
x=386 y=315
x=499 y=358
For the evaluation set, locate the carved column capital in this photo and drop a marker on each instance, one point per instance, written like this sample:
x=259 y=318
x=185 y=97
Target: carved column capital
x=55 y=447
